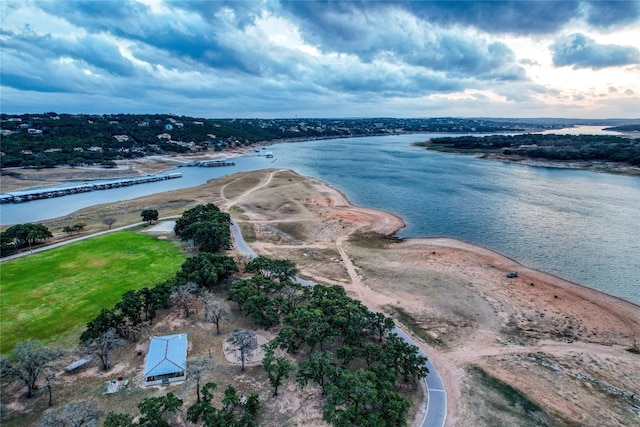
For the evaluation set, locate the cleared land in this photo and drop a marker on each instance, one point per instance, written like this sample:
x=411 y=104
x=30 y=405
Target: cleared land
x=50 y=296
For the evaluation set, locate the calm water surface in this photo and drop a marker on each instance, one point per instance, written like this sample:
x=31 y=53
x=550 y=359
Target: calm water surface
x=579 y=225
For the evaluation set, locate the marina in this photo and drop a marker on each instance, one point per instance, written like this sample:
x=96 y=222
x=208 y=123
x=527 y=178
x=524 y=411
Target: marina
x=48 y=193
x=212 y=163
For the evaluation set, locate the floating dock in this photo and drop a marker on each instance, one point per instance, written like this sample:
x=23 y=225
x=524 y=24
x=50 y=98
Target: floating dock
x=212 y=163
x=48 y=193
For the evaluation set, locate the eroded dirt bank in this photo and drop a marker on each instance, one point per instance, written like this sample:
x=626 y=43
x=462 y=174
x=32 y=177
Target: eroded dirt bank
x=531 y=350
x=534 y=350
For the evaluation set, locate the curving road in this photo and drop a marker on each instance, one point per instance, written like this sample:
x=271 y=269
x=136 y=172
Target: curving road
x=436 y=412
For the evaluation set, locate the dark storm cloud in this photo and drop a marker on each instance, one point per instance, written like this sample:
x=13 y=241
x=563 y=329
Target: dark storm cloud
x=35 y=60
x=387 y=31
x=612 y=13
x=581 y=51
x=523 y=17
x=517 y=17
x=321 y=57
x=194 y=39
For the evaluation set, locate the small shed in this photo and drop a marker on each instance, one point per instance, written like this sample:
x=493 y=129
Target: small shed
x=166 y=360
x=77 y=365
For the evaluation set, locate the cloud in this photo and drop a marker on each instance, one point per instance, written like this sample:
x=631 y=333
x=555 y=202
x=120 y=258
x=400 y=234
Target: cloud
x=388 y=31
x=274 y=58
x=581 y=51
x=328 y=19
x=607 y=14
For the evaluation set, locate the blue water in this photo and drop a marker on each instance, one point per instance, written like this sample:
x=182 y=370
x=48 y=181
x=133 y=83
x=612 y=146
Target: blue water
x=579 y=225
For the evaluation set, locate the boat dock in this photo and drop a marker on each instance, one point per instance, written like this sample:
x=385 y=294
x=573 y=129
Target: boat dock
x=48 y=193
x=212 y=163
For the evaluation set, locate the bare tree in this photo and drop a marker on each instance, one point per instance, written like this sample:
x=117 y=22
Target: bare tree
x=50 y=379
x=184 y=296
x=215 y=310
x=103 y=344
x=196 y=368
x=83 y=413
x=241 y=258
x=109 y=221
x=243 y=341
x=27 y=362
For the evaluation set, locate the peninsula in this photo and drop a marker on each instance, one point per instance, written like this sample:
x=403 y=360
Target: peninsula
x=532 y=349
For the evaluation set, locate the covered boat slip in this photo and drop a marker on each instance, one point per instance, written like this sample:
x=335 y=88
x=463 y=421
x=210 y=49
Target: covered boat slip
x=166 y=360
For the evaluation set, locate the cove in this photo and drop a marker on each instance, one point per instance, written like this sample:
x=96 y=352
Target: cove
x=579 y=225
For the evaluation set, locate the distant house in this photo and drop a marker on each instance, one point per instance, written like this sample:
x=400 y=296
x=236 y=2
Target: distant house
x=121 y=138
x=164 y=136
x=166 y=360
x=34 y=131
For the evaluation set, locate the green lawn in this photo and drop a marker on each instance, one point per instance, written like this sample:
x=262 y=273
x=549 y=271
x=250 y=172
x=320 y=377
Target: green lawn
x=51 y=295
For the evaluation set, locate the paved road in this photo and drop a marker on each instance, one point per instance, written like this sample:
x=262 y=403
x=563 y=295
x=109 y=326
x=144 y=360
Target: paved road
x=436 y=412
x=77 y=239
x=241 y=245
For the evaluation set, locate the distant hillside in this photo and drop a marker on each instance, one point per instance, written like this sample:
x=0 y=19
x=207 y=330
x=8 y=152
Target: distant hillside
x=51 y=139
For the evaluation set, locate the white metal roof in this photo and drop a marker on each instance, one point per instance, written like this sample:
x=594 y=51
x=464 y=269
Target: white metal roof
x=167 y=354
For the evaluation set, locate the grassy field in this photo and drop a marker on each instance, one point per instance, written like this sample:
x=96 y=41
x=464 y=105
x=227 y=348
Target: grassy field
x=50 y=296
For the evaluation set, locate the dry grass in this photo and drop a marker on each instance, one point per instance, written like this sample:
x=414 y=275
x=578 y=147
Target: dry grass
x=450 y=294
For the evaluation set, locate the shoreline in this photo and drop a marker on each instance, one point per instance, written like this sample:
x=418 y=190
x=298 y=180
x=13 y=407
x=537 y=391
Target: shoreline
x=611 y=168
x=547 y=338
x=159 y=164
x=463 y=245
x=454 y=243
x=145 y=165
x=393 y=226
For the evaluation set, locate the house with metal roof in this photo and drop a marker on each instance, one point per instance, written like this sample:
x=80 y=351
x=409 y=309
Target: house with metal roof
x=166 y=360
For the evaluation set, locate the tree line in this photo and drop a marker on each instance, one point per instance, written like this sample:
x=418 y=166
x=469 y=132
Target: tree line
x=22 y=236
x=551 y=147
x=323 y=338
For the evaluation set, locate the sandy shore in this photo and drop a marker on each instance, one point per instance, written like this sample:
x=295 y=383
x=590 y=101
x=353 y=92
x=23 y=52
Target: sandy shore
x=561 y=346
x=534 y=350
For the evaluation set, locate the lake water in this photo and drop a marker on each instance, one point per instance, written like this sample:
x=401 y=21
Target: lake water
x=579 y=225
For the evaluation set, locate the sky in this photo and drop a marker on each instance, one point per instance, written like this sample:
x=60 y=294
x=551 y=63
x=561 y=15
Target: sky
x=322 y=59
